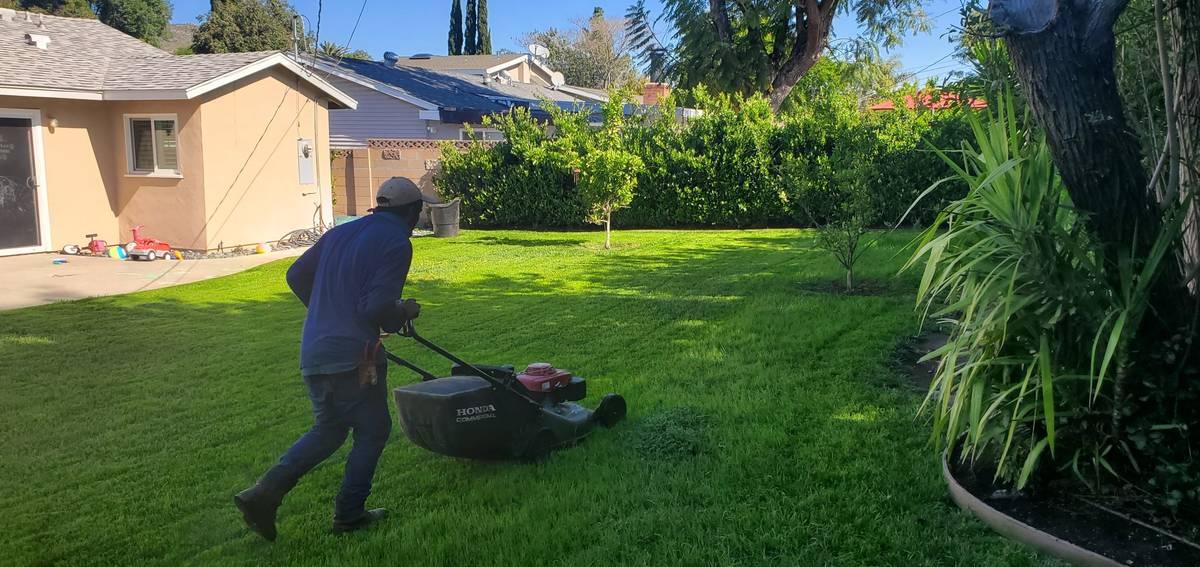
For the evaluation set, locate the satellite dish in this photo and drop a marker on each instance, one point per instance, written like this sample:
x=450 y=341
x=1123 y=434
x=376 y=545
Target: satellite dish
x=557 y=79
x=539 y=50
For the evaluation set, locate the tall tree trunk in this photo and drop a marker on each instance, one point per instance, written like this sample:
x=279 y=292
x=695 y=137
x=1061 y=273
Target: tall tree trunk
x=813 y=20
x=1063 y=54
x=1188 y=112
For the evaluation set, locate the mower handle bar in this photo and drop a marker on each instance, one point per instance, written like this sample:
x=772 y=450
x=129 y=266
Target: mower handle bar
x=409 y=331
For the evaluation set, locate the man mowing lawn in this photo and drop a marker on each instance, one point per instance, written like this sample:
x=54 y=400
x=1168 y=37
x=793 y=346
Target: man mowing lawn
x=350 y=281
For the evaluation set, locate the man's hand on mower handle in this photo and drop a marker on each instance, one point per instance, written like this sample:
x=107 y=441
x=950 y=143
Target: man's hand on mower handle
x=402 y=312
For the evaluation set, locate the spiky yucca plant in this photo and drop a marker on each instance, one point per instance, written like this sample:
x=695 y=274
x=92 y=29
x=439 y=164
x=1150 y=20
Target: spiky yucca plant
x=1038 y=337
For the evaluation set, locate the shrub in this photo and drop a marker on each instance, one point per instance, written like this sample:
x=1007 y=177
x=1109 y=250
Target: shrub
x=736 y=165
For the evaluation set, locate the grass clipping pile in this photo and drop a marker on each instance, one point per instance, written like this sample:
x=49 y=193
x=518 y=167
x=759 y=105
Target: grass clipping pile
x=672 y=434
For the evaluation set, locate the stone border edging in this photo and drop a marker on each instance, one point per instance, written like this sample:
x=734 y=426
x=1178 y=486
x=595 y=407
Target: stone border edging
x=1016 y=530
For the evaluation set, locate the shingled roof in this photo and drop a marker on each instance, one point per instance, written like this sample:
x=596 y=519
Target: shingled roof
x=458 y=62
x=88 y=60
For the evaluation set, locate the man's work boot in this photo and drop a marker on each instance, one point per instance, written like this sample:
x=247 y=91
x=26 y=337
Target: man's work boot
x=370 y=517
x=258 y=510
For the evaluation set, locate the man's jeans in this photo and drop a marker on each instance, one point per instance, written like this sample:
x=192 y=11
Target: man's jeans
x=340 y=404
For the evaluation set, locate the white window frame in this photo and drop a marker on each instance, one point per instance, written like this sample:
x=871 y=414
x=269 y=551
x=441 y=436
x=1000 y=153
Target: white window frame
x=462 y=134
x=156 y=172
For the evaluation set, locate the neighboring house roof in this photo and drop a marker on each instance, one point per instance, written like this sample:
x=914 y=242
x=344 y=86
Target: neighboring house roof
x=490 y=63
x=453 y=97
x=929 y=100
x=527 y=91
x=88 y=60
x=430 y=90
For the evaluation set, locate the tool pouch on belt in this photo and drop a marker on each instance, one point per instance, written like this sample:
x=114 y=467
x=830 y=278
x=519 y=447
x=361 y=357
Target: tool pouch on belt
x=368 y=372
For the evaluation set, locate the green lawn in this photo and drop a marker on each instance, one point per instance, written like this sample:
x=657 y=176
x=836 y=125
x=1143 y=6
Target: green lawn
x=127 y=423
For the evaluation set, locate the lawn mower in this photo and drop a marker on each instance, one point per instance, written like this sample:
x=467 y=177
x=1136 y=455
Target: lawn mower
x=493 y=412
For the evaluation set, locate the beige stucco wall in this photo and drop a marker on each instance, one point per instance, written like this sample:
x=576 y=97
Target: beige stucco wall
x=171 y=209
x=80 y=186
x=251 y=163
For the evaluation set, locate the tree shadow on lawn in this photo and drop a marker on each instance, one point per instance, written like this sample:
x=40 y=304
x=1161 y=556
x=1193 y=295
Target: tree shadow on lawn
x=143 y=414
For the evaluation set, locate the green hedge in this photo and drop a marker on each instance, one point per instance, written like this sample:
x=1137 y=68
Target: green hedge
x=737 y=165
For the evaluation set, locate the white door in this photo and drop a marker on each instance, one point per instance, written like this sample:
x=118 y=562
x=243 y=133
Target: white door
x=24 y=225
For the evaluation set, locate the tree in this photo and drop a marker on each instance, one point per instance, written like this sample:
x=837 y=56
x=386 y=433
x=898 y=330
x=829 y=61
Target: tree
x=608 y=172
x=235 y=26
x=331 y=49
x=606 y=181
x=596 y=54
x=765 y=46
x=454 y=42
x=469 y=43
x=483 y=40
x=1062 y=52
x=847 y=237
x=146 y=20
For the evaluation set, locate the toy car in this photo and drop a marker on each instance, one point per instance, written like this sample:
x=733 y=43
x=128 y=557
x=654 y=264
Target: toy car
x=148 y=249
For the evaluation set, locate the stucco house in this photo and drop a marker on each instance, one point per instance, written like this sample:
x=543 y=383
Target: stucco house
x=100 y=132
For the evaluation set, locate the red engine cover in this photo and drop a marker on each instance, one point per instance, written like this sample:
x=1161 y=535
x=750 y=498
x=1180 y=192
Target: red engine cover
x=541 y=377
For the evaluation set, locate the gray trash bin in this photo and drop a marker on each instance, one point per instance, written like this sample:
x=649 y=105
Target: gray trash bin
x=444 y=218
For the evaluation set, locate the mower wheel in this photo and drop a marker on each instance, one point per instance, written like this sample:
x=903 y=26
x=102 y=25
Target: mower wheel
x=611 y=410
x=151 y=255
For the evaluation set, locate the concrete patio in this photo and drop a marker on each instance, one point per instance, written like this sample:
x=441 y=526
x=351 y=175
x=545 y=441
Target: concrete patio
x=34 y=279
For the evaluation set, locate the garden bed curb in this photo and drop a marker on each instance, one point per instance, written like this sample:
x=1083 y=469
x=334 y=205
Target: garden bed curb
x=1019 y=531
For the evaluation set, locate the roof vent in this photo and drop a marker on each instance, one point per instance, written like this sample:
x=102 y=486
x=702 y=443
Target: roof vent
x=41 y=41
x=390 y=57
x=7 y=14
x=422 y=56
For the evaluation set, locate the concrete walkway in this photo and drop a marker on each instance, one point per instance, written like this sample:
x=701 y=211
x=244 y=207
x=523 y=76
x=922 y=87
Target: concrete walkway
x=34 y=279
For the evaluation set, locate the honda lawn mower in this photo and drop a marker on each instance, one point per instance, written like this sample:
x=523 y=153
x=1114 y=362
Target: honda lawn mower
x=494 y=412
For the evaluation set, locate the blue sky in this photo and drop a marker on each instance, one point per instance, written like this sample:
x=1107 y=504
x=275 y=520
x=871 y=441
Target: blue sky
x=420 y=26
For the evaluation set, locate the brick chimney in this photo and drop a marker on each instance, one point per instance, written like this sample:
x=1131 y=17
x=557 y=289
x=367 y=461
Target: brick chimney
x=654 y=92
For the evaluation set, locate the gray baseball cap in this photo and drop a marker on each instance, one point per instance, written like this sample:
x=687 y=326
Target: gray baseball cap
x=400 y=191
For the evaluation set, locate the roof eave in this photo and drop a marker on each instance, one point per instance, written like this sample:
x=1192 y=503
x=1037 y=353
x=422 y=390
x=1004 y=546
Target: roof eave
x=335 y=95
x=41 y=92
x=505 y=65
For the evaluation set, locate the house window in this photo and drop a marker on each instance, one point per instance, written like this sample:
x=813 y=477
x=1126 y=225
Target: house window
x=481 y=134
x=153 y=145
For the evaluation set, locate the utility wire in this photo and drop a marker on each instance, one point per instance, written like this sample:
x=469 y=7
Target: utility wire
x=346 y=46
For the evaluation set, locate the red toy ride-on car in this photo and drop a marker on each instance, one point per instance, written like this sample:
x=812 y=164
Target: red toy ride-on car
x=146 y=248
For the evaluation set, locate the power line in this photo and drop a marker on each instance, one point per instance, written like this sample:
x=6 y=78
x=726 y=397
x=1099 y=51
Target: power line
x=361 y=9
x=346 y=46
x=926 y=67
